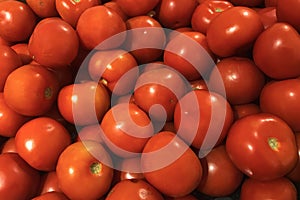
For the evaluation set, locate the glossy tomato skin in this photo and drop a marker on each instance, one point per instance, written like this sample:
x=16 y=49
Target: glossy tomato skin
x=254 y=189
x=43 y=8
x=49 y=183
x=17 y=21
x=268 y=16
x=18 y=90
x=176 y=13
x=9 y=146
x=41 y=138
x=134 y=8
x=258 y=145
x=22 y=50
x=134 y=190
x=240 y=76
x=288 y=107
x=92 y=27
x=206 y=12
x=52 y=196
x=70 y=10
x=57 y=39
x=243 y=110
x=116 y=7
x=220 y=175
x=276 y=47
x=287 y=11
x=86 y=165
x=238 y=26
x=19 y=180
x=294 y=175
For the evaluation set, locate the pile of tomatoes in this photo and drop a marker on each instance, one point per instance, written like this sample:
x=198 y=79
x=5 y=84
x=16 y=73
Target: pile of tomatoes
x=149 y=99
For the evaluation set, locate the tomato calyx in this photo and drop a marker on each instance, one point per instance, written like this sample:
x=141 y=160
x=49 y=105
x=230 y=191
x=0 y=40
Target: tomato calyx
x=48 y=93
x=96 y=168
x=218 y=10
x=274 y=143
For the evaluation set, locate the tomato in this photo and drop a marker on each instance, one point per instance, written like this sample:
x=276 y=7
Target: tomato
x=18 y=179
x=234 y=31
x=206 y=12
x=130 y=168
x=163 y=87
x=9 y=146
x=202 y=119
x=116 y=7
x=278 y=189
x=22 y=50
x=294 y=175
x=49 y=183
x=136 y=7
x=258 y=145
x=83 y=103
x=52 y=196
x=54 y=43
x=4 y=42
x=166 y=155
x=220 y=176
x=199 y=84
x=43 y=8
x=116 y=68
x=145 y=39
x=134 y=190
x=287 y=11
x=240 y=76
x=41 y=138
x=18 y=90
x=86 y=165
x=125 y=124
x=176 y=13
x=243 y=110
x=180 y=55
x=70 y=10
x=268 y=16
x=248 y=3
x=9 y=60
x=90 y=132
x=92 y=27
x=17 y=21
x=278 y=46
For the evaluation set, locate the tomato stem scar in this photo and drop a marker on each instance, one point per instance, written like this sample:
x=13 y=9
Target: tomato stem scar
x=273 y=143
x=219 y=10
x=96 y=168
x=48 y=93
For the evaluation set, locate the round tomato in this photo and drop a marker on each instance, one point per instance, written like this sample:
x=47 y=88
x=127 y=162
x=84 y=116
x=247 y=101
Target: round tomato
x=49 y=183
x=54 y=43
x=268 y=16
x=258 y=145
x=136 y=7
x=130 y=168
x=243 y=110
x=19 y=89
x=116 y=7
x=43 y=8
x=86 y=165
x=90 y=132
x=17 y=21
x=52 y=196
x=287 y=11
x=22 y=50
x=9 y=146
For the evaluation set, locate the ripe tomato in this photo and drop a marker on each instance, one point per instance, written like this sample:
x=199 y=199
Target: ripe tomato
x=84 y=164
x=17 y=21
x=70 y=10
x=18 y=179
x=258 y=145
x=268 y=16
x=133 y=190
x=43 y=8
x=278 y=189
x=19 y=88
x=116 y=68
x=166 y=155
x=9 y=146
x=176 y=13
x=49 y=183
x=9 y=60
x=90 y=132
x=54 y=43
x=202 y=119
x=130 y=168
x=294 y=175
x=243 y=110
x=98 y=23
x=52 y=196
x=116 y=7
x=83 y=103
x=240 y=76
x=276 y=47
x=136 y=7
x=287 y=11
x=22 y=50
x=125 y=124
x=238 y=26
x=206 y=12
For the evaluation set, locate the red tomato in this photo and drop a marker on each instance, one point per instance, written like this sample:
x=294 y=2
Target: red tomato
x=41 y=138
x=130 y=168
x=116 y=7
x=136 y=7
x=117 y=68
x=166 y=155
x=243 y=110
x=287 y=11
x=294 y=175
x=9 y=60
x=234 y=31
x=268 y=16
x=17 y=21
x=90 y=132
x=92 y=27
x=288 y=108
x=18 y=179
x=216 y=118
x=220 y=176
x=54 y=43
x=199 y=84
x=248 y=3
x=133 y=190
x=19 y=88
x=176 y=13
x=125 y=124
x=240 y=76
x=84 y=164
x=4 y=42
x=258 y=145
x=43 y=8
x=278 y=189
x=49 y=183
x=206 y=12
x=70 y=10
x=9 y=146
x=276 y=47
x=83 y=103
x=22 y=50
x=52 y=196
